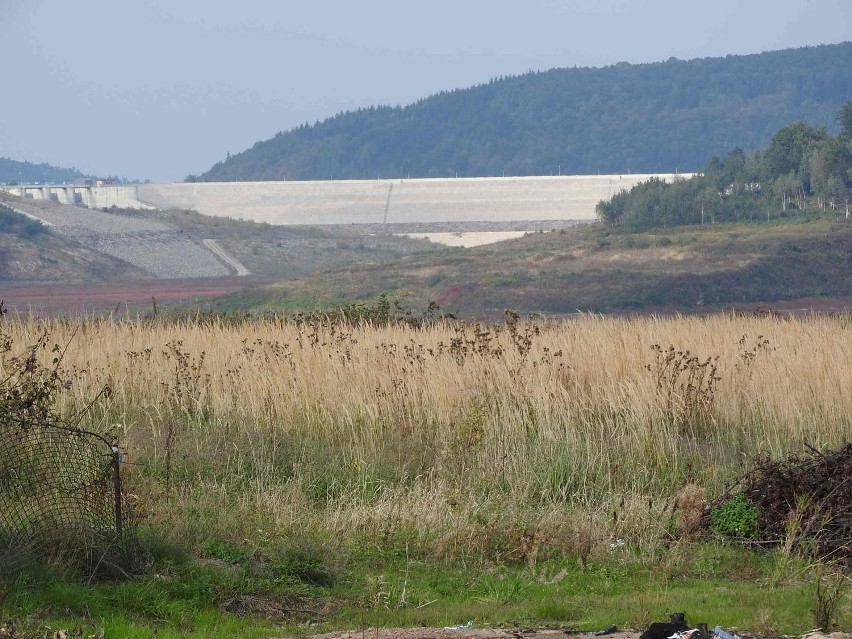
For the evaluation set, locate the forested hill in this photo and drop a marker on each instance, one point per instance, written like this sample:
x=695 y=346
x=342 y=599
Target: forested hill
x=27 y=172
x=657 y=117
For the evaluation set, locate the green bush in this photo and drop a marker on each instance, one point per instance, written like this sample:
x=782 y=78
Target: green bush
x=17 y=224
x=435 y=279
x=736 y=517
x=631 y=242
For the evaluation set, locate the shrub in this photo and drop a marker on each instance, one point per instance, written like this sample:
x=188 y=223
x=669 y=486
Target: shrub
x=16 y=224
x=736 y=517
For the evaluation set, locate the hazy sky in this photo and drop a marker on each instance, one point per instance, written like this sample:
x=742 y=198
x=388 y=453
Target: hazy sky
x=159 y=89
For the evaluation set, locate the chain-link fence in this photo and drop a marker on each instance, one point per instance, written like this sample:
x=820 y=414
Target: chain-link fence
x=60 y=494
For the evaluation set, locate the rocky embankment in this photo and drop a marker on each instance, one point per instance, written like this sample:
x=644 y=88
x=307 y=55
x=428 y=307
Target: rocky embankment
x=152 y=246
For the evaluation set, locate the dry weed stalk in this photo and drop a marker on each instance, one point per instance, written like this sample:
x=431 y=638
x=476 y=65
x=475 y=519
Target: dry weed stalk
x=346 y=426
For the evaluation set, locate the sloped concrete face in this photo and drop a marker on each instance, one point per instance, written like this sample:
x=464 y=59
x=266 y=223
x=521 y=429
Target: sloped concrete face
x=151 y=246
x=441 y=200
x=121 y=196
x=397 y=201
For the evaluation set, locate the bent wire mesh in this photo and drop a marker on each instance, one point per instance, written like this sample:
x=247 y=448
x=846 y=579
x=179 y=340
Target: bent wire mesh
x=60 y=489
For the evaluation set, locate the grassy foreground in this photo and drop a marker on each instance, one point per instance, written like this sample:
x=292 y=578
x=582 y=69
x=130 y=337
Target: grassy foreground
x=360 y=475
x=385 y=588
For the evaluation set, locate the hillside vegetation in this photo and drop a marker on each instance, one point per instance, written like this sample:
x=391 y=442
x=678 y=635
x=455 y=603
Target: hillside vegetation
x=13 y=171
x=803 y=168
x=649 y=118
x=593 y=268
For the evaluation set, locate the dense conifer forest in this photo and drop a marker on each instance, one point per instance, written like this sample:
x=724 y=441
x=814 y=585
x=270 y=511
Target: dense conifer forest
x=658 y=117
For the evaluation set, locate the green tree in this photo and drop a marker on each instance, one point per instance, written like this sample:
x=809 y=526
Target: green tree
x=786 y=187
x=708 y=200
x=788 y=148
x=845 y=119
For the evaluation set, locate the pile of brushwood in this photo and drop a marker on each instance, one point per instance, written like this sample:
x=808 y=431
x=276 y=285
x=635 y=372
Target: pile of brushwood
x=804 y=502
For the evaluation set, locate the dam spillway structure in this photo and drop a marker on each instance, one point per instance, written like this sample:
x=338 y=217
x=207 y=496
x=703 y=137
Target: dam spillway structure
x=347 y=202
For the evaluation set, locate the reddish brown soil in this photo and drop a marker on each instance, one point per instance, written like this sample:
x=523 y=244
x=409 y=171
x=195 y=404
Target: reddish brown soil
x=119 y=297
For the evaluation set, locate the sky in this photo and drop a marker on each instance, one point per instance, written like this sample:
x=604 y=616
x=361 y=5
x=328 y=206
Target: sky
x=159 y=89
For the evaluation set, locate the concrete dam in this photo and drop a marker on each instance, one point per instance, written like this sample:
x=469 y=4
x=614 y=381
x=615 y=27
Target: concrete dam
x=383 y=201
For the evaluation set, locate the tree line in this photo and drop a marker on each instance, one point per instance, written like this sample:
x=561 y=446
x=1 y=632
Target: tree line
x=14 y=172
x=803 y=167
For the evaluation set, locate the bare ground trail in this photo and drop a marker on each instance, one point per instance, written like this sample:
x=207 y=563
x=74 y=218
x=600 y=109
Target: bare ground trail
x=226 y=257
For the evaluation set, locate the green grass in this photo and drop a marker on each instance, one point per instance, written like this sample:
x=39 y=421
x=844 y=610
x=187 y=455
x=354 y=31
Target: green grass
x=389 y=585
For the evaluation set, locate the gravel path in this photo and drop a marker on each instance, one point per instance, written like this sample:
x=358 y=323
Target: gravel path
x=156 y=248
x=226 y=257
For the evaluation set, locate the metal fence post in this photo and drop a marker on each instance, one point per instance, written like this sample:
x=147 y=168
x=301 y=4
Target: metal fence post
x=116 y=480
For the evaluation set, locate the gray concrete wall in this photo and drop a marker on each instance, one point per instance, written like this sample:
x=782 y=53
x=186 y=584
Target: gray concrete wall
x=426 y=200
x=370 y=201
x=122 y=196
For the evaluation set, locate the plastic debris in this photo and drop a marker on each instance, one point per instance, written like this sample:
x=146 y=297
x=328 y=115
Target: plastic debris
x=466 y=626
x=723 y=634
x=606 y=631
x=665 y=629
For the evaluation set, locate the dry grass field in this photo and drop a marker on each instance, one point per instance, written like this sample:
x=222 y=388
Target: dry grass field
x=499 y=441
